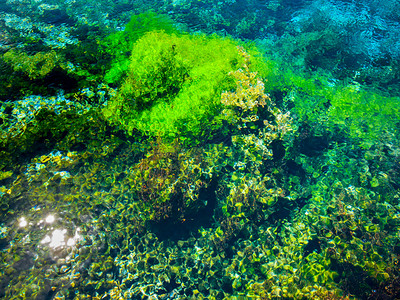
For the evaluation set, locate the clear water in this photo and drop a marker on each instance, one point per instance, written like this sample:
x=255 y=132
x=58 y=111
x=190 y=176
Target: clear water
x=281 y=182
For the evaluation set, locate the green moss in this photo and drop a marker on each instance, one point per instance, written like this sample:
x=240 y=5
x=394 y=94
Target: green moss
x=170 y=83
x=5 y=174
x=34 y=66
x=174 y=84
x=168 y=182
x=366 y=115
x=119 y=45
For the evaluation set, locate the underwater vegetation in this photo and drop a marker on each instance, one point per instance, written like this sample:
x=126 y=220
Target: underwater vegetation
x=173 y=86
x=178 y=164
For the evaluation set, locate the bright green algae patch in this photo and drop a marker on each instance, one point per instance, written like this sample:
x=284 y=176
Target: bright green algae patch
x=120 y=43
x=174 y=84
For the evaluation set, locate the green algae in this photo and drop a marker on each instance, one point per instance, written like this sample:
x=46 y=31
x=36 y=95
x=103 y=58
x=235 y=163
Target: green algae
x=173 y=86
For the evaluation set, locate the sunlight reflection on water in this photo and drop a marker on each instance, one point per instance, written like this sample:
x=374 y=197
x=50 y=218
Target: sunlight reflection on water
x=57 y=238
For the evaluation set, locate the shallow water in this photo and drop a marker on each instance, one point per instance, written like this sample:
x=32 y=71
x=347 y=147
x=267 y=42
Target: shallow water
x=202 y=150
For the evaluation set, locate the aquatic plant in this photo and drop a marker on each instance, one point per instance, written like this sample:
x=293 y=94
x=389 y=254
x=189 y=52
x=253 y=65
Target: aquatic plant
x=168 y=181
x=367 y=115
x=48 y=71
x=174 y=84
x=248 y=190
x=33 y=66
x=119 y=44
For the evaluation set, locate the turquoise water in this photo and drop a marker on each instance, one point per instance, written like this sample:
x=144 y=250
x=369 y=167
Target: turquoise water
x=199 y=150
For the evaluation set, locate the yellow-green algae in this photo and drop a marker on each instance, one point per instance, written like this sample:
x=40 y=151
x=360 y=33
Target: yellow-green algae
x=173 y=85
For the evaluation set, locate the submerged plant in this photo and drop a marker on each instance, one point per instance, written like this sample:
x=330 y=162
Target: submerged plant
x=173 y=86
x=34 y=66
x=167 y=182
x=119 y=45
